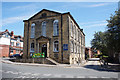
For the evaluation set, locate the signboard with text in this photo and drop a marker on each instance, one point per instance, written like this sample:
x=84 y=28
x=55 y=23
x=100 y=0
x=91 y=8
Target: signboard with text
x=38 y=55
x=65 y=47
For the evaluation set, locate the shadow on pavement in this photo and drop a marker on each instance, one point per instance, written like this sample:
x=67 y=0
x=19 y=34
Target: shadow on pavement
x=111 y=68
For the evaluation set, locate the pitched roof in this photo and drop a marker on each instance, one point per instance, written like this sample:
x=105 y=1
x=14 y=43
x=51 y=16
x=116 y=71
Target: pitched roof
x=15 y=36
x=43 y=37
x=42 y=11
x=57 y=13
x=1 y=33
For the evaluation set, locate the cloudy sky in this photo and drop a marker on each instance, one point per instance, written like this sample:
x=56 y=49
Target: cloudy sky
x=91 y=16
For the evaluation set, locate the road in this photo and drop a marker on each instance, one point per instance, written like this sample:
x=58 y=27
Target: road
x=90 y=70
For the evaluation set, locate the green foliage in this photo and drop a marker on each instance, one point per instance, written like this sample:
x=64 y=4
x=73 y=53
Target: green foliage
x=105 y=56
x=100 y=41
x=108 y=42
x=37 y=55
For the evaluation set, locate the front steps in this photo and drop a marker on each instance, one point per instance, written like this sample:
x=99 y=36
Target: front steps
x=53 y=61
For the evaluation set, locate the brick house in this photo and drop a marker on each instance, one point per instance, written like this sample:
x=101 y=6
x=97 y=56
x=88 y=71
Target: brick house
x=4 y=43
x=91 y=52
x=10 y=44
x=16 y=44
x=56 y=34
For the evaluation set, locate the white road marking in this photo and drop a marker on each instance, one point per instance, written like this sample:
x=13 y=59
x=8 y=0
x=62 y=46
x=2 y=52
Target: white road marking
x=92 y=77
x=36 y=74
x=26 y=74
x=0 y=70
x=81 y=77
x=57 y=76
x=47 y=74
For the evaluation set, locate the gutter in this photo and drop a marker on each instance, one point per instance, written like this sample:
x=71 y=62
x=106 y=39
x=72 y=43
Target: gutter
x=27 y=39
x=61 y=41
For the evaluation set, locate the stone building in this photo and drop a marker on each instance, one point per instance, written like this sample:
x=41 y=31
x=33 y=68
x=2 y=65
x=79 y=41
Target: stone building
x=56 y=34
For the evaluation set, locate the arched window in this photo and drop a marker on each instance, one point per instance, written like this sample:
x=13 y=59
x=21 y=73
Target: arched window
x=74 y=31
x=32 y=47
x=44 y=28
x=33 y=30
x=71 y=28
x=75 y=47
x=55 y=28
x=72 y=48
x=56 y=46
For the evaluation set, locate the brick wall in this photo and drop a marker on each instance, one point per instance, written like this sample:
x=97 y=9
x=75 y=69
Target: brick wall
x=4 y=50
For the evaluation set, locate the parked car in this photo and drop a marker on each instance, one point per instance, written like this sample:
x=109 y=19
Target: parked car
x=17 y=56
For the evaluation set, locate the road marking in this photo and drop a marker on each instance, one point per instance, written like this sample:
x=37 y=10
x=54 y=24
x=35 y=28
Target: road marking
x=36 y=74
x=47 y=74
x=57 y=76
x=11 y=72
x=26 y=74
x=81 y=77
x=92 y=77
x=1 y=70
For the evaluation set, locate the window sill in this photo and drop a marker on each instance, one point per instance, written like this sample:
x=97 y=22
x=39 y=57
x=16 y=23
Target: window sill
x=56 y=36
x=55 y=51
x=31 y=51
x=31 y=38
x=71 y=36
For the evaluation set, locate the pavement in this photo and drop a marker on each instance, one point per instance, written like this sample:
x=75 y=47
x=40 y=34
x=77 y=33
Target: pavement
x=93 y=63
x=91 y=69
x=6 y=60
x=24 y=71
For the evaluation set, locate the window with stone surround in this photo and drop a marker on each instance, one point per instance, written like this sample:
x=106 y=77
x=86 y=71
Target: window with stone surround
x=75 y=48
x=55 y=28
x=74 y=31
x=32 y=47
x=56 y=46
x=44 y=28
x=78 y=35
x=72 y=48
x=33 y=30
x=71 y=29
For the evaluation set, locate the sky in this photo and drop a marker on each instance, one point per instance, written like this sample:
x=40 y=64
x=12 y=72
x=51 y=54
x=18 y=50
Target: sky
x=90 y=16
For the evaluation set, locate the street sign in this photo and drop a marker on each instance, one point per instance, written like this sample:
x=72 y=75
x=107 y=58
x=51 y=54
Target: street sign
x=65 y=47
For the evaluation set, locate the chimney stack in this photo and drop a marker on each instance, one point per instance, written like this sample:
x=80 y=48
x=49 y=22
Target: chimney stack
x=6 y=30
x=81 y=30
x=12 y=33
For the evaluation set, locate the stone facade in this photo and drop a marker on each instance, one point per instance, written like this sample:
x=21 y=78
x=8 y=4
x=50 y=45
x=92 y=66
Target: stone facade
x=52 y=33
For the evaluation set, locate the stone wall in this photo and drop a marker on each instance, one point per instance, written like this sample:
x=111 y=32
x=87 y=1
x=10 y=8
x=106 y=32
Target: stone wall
x=63 y=37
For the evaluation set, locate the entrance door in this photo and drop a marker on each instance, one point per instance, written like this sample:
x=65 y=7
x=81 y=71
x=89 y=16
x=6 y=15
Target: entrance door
x=44 y=49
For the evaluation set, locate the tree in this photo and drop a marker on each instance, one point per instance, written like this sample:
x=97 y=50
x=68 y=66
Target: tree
x=99 y=42
x=108 y=42
x=114 y=31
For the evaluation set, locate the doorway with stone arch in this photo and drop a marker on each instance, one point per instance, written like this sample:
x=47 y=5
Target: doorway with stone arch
x=44 y=49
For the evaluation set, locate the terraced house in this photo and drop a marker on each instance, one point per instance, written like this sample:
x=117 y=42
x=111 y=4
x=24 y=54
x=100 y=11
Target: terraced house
x=56 y=34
